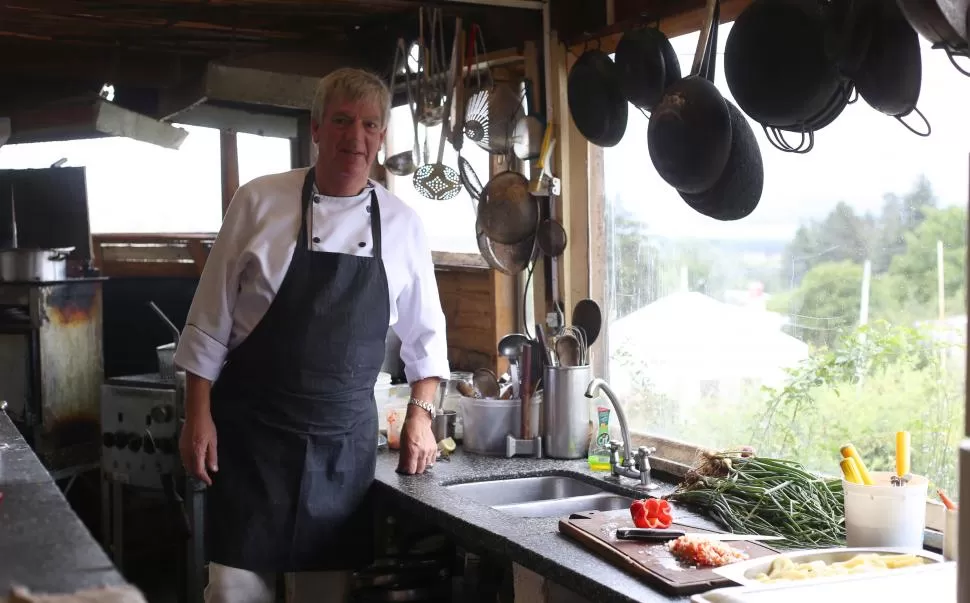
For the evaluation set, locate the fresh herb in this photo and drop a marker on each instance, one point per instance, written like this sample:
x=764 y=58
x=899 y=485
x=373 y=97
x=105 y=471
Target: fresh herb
x=772 y=497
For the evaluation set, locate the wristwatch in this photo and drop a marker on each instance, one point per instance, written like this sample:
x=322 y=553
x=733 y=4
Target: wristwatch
x=428 y=406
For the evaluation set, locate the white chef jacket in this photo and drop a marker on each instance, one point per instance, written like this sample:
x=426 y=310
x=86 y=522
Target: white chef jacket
x=252 y=253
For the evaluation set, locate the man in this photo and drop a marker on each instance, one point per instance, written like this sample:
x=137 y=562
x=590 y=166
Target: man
x=282 y=348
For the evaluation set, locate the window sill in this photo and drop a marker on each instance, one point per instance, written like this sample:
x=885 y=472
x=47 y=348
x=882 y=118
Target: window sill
x=676 y=458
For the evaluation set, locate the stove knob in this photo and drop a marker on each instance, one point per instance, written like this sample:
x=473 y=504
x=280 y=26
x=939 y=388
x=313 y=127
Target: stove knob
x=167 y=445
x=121 y=439
x=134 y=444
x=163 y=413
x=149 y=444
x=108 y=438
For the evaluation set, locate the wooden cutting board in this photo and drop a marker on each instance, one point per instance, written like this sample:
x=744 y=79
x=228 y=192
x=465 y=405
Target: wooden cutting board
x=650 y=561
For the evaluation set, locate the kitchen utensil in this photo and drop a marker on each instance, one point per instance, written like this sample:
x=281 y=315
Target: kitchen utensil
x=568 y=350
x=527 y=428
x=779 y=70
x=511 y=347
x=891 y=74
x=507 y=259
x=168 y=323
x=566 y=411
x=486 y=424
x=470 y=181
x=507 y=211
x=551 y=237
x=650 y=562
x=689 y=134
x=596 y=100
x=404 y=163
x=588 y=317
x=13 y=219
x=738 y=189
x=647 y=64
x=438 y=181
x=665 y=535
x=485 y=382
x=944 y=23
x=883 y=515
x=34 y=265
x=527 y=134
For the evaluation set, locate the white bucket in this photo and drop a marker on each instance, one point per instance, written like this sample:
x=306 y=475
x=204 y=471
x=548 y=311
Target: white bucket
x=883 y=515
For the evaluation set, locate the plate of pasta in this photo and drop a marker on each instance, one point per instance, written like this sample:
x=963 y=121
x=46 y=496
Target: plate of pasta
x=825 y=563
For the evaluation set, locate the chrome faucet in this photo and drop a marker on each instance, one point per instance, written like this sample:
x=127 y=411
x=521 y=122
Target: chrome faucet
x=633 y=466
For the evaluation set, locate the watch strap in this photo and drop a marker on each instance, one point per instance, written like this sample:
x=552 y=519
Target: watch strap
x=428 y=406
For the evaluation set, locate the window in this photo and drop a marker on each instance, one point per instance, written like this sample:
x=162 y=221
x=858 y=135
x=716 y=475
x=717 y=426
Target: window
x=835 y=313
x=450 y=225
x=137 y=187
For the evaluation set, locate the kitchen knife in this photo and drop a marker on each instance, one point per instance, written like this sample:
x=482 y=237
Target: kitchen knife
x=662 y=535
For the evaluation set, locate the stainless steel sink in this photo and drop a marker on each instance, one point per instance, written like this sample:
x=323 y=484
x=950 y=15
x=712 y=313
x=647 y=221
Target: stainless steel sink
x=546 y=496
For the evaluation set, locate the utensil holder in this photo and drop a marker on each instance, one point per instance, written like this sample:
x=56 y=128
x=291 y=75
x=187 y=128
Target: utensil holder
x=566 y=411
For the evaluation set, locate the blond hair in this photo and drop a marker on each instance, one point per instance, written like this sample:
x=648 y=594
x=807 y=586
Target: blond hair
x=351 y=85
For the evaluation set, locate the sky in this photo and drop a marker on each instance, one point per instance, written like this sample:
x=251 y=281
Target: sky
x=137 y=187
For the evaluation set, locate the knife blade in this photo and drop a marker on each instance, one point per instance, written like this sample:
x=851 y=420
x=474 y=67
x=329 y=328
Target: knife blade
x=663 y=535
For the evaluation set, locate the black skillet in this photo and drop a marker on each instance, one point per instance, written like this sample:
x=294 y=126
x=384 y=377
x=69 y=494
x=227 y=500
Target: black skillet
x=737 y=192
x=647 y=64
x=945 y=23
x=689 y=134
x=596 y=101
x=779 y=69
x=891 y=73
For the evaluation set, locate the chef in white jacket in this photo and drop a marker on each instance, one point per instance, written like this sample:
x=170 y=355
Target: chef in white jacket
x=282 y=347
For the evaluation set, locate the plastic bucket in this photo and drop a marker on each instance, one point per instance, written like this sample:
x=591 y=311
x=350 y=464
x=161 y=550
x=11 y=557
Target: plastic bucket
x=883 y=515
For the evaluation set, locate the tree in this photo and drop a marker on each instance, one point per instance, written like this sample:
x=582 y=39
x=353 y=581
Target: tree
x=842 y=235
x=827 y=301
x=917 y=266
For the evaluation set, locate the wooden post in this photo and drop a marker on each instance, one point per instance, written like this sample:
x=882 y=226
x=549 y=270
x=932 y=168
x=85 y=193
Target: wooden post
x=229 y=157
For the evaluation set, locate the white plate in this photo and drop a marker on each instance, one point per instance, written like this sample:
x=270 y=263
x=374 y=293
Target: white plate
x=744 y=572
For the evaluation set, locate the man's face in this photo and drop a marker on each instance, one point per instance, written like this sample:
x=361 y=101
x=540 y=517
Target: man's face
x=348 y=139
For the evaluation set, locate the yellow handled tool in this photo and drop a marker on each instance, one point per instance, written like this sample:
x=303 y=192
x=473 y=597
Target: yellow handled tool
x=902 y=453
x=850 y=471
x=849 y=451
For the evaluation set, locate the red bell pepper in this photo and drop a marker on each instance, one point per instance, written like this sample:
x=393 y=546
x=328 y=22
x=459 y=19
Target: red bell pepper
x=651 y=513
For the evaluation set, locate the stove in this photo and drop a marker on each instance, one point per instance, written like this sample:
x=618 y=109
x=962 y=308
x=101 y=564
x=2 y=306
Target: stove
x=139 y=430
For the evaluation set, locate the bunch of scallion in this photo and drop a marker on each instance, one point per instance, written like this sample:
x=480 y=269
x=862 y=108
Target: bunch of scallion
x=774 y=497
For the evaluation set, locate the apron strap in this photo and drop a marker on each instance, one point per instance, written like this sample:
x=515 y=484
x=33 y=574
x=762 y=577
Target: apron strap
x=375 y=223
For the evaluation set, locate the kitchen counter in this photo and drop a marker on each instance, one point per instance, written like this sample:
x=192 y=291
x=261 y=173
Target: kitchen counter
x=43 y=544
x=534 y=543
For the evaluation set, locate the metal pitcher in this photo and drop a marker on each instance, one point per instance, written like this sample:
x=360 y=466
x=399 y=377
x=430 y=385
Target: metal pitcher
x=566 y=412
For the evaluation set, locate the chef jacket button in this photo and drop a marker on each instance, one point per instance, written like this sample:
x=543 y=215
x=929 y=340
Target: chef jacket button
x=316 y=199
x=362 y=244
x=316 y=239
x=368 y=209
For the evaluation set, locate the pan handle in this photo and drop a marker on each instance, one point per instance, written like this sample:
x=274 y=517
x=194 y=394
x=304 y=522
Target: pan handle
x=701 y=54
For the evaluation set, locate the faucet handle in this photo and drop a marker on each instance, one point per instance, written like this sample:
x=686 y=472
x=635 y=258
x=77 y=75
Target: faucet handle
x=644 y=452
x=615 y=445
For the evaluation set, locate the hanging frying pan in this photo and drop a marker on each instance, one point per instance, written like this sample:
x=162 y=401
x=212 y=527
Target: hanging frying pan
x=778 y=67
x=891 y=74
x=596 y=102
x=689 y=134
x=737 y=192
x=507 y=259
x=944 y=23
x=647 y=64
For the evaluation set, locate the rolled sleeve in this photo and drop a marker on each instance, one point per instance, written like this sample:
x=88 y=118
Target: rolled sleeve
x=421 y=322
x=200 y=354
x=204 y=343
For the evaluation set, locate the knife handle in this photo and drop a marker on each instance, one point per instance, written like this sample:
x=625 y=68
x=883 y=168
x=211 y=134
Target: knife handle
x=648 y=534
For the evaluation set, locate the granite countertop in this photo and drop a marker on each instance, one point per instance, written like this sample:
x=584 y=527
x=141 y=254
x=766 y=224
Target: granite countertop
x=534 y=543
x=43 y=544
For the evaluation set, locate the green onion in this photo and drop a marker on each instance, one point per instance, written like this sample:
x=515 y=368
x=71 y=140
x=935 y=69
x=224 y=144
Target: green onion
x=773 y=497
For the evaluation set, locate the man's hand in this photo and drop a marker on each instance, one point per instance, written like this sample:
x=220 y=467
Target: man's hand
x=418 y=446
x=197 y=443
x=197 y=447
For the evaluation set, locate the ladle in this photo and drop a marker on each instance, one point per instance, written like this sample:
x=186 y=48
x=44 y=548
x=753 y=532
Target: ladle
x=510 y=347
x=568 y=350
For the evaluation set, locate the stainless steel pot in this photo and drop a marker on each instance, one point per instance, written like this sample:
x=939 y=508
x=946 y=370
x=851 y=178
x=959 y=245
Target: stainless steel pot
x=166 y=361
x=43 y=265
